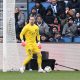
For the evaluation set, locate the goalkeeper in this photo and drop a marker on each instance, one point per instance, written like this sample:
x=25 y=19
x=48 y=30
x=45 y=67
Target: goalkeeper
x=31 y=33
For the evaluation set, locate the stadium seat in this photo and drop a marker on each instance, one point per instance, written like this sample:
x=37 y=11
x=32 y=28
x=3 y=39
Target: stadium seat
x=67 y=39
x=31 y=5
x=45 y=4
x=76 y=39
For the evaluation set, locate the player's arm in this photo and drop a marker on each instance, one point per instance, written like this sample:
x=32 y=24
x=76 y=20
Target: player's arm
x=38 y=35
x=22 y=34
x=38 y=39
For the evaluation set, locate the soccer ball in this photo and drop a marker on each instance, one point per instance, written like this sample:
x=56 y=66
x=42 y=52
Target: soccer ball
x=47 y=69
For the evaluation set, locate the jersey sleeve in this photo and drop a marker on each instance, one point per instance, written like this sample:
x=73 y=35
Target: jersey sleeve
x=38 y=35
x=24 y=30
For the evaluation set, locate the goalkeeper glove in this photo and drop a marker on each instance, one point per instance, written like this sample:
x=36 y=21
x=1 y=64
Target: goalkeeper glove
x=23 y=43
x=39 y=45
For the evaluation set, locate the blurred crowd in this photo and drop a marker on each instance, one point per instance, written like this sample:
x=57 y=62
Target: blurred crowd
x=60 y=19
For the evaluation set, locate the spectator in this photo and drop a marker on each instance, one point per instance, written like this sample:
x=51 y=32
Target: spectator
x=67 y=3
x=69 y=28
x=44 y=29
x=53 y=31
x=19 y=22
x=33 y=13
x=44 y=38
x=78 y=31
x=77 y=22
x=57 y=23
x=49 y=18
x=75 y=5
x=77 y=19
x=56 y=8
x=40 y=9
x=69 y=12
x=56 y=36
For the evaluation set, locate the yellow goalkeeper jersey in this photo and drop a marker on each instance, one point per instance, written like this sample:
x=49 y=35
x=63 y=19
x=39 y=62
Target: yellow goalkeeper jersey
x=31 y=33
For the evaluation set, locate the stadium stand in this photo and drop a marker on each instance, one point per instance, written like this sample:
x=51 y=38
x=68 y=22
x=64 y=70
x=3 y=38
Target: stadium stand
x=67 y=39
x=45 y=4
x=76 y=39
x=22 y=4
x=31 y=5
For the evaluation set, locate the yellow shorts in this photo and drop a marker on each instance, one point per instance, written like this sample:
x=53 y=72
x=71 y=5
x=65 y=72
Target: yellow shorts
x=32 y=48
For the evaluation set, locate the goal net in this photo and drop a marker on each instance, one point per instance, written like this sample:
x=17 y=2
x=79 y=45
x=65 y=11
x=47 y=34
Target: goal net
x=10 y=49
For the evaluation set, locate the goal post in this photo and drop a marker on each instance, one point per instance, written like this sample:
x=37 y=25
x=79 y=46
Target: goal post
x=10 y=48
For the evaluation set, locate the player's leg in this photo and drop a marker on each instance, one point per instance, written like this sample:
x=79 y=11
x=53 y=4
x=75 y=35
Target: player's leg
x=39 y=61
x=39 y=58
x=27 y=59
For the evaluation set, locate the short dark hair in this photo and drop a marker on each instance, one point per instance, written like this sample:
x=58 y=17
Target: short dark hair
x=31 y=16
x=55 y=27
x=38 y=15
x=33 y=8
x=70 y=18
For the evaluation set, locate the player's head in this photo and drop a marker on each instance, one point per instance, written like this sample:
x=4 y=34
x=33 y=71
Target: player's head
x=31 y=20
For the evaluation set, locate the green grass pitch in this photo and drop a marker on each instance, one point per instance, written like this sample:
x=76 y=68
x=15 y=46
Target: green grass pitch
x=34 y=75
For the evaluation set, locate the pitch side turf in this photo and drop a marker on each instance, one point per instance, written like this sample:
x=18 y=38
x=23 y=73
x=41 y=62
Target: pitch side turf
x=34 y=75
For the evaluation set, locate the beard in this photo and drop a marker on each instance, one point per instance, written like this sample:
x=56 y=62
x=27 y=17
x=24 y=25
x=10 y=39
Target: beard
x=69 y=24
x=39 y=22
